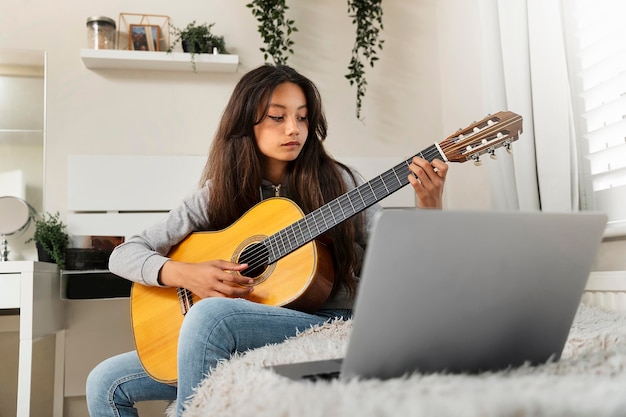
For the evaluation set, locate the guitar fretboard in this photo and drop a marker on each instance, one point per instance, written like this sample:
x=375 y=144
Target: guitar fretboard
x=342 y=208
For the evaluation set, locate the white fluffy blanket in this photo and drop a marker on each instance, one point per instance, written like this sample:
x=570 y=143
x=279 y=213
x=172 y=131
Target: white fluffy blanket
x=589 y=380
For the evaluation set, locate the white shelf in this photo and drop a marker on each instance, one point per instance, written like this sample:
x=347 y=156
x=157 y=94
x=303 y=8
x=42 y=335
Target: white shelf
x=157 y=61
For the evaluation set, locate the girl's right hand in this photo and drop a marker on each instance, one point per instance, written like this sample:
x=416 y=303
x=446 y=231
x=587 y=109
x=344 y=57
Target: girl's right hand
x=217 y=278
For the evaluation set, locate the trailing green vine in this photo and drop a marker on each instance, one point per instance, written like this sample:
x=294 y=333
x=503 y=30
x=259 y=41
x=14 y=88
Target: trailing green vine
x=367 y=15
x=274 y=28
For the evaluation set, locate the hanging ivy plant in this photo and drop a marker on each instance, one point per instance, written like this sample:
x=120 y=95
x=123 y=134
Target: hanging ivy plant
x=367 y=15
x=274 y=28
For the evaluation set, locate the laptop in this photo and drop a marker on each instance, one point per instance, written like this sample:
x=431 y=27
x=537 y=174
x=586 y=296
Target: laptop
x=464 y=292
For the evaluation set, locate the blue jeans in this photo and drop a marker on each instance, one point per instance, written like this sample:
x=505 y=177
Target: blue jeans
x=213 y=329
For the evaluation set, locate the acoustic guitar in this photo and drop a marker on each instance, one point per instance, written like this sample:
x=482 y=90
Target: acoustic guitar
x=278 y=242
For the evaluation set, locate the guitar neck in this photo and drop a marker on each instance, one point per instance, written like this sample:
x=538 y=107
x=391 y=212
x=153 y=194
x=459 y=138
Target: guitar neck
x=343 y=207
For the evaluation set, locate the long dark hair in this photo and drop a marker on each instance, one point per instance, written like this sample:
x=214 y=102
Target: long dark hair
x=234 y=172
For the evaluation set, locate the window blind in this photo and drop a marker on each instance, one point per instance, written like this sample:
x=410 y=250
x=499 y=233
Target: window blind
x=596 y=41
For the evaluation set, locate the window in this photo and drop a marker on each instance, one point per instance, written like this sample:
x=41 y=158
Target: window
x=596 y=44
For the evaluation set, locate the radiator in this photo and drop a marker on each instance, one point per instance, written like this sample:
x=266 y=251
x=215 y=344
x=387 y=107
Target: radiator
x=606 y=289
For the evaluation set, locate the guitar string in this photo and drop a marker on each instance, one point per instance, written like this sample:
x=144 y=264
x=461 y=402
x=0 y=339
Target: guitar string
x=354 y=201
x=377 y=186
x=258 y=257
x=446 y=144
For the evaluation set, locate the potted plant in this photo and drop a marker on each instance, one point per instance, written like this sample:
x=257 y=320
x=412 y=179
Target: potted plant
x=197 y=39
x=51 y=238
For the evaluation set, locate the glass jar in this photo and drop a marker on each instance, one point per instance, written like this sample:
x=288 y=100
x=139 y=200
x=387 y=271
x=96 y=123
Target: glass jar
x=100 y=32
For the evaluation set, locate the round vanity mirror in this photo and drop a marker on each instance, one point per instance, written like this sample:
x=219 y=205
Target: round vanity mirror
x=15 y=216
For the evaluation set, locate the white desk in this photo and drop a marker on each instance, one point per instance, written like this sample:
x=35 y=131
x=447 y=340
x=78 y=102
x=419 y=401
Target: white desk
x=34 y=288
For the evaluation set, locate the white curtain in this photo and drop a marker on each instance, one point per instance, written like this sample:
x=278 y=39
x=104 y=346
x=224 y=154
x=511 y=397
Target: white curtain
x=523 y=56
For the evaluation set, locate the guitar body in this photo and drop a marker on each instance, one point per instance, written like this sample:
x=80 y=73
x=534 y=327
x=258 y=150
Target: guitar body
x=301 y=280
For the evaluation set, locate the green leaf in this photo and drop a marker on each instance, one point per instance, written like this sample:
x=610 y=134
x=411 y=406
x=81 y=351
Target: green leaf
x=274 y=28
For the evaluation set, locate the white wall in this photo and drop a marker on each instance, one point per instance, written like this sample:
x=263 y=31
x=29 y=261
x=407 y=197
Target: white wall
x=119 y=112
x=425 y=86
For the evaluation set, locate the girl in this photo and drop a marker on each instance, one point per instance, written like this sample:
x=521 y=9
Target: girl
x=269 y=143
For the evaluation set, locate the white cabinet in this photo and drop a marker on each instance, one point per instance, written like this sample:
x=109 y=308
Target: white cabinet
x=34 y=289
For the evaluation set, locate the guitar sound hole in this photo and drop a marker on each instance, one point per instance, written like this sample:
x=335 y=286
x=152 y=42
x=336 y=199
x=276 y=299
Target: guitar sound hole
x=256 y=257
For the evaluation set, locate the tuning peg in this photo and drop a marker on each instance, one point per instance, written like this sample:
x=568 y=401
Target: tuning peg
x=477 y=161
x=507 y=146
x=492 y=154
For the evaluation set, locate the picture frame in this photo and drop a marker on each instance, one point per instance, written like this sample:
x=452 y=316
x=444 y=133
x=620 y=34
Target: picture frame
x=156 y=27
x=144 y=38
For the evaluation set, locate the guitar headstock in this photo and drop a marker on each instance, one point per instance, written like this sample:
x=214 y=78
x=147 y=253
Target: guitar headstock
x=492 y=132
